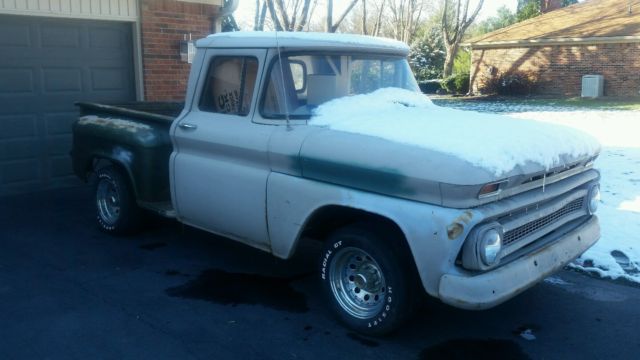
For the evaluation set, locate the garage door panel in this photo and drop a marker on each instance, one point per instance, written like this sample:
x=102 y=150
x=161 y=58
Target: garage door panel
x=14 y=34
x=107 y=38
x=60 y=167
x=16 y=80
x=47 y=65
x=59 y=36
x=61 y=79
x=60 y=123
x=59 y=145
x=24 y=171
x=19 y=149
x=109 y=79
x=18 y=126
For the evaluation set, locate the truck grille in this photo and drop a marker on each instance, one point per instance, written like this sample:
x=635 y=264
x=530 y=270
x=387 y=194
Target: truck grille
x=533 y=226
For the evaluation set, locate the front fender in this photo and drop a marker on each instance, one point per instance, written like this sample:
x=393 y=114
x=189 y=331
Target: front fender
x=434 y=234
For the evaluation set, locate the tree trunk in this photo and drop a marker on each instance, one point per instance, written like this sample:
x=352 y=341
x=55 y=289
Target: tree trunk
x=329 y=16
x=449 y=59
x=364 y=17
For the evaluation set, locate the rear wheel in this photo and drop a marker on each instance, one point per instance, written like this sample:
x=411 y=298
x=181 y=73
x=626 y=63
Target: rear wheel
x=367 y=278
x=116 y=209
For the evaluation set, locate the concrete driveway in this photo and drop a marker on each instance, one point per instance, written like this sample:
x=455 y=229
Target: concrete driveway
x=68 y=291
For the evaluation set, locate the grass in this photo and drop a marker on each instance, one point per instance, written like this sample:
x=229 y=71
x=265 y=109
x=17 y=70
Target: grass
x=576 y=102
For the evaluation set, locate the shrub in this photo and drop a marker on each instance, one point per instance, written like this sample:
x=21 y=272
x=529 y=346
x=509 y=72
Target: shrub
x=456 y=83
x=430 y=86
x=512 y=83
x=427 y=55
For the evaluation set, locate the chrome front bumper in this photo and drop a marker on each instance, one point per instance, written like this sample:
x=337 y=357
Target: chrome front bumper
x=483 y=291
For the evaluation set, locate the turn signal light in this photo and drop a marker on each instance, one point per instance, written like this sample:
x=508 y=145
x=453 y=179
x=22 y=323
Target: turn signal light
x=490 y=189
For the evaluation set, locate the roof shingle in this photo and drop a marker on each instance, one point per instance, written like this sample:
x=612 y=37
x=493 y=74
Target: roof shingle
x=589 y=19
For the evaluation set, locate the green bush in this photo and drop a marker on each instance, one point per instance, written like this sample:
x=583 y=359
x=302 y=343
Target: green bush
x=430 y=86
x=456 y=83
x=512 y=83
x=462 y=62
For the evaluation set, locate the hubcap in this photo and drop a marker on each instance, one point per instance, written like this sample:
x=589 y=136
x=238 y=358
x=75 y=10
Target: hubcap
x=108 y=201
x=357 y=283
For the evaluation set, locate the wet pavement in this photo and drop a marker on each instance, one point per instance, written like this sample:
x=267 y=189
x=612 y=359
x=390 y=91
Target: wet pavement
x=172 y=292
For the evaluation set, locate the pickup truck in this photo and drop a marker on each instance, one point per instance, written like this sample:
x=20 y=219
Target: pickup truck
x=247 y=157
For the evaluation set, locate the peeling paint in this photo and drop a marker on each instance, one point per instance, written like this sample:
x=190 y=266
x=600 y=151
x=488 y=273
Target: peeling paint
x=123 y=155
x=454 y=230
x=457 y=226
x=127 y=125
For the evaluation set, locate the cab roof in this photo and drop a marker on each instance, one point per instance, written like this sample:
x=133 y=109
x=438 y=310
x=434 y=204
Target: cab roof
x=303 y=41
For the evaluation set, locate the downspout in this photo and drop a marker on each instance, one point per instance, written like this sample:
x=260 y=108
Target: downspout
x=228 y=8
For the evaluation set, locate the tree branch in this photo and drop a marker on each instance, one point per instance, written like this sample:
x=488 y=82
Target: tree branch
x=335 y=26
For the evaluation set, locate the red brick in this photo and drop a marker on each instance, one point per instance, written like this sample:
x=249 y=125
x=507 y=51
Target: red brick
x=560 y=67
x=164 y=24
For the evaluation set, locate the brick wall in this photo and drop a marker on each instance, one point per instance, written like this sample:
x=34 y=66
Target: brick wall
x=560 y=68
x=164 y=23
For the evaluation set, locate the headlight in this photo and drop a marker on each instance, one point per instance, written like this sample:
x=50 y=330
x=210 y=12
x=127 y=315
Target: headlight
x=594 y=199
x=490 y=246
x=483 y=247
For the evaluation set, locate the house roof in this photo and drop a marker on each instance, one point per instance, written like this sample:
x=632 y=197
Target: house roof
x=589 y=21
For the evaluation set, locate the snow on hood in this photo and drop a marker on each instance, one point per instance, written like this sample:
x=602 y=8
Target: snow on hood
x=494 y=142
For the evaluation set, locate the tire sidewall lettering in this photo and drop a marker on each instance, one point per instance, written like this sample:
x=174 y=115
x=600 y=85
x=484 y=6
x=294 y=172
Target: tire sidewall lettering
x=326 y=259
x=103 y=176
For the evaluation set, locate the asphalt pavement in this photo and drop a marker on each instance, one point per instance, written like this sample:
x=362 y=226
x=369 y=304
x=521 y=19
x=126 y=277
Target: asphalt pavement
x=68 y=291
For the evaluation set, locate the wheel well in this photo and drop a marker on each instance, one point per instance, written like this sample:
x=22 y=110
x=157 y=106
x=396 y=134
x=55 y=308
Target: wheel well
x=97 y=163
x=326 y=219
x=329 y=218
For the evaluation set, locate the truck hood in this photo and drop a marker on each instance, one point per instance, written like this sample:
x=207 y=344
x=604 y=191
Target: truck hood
x=396 y=142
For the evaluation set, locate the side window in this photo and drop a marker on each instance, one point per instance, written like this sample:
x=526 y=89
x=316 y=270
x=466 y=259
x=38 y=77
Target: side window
x=228 y=88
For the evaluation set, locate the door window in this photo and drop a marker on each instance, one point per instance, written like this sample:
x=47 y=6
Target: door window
x=229 y=85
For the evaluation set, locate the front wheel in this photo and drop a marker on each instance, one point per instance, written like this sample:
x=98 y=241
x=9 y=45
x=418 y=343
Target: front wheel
x=367 y=278
x=116 y=209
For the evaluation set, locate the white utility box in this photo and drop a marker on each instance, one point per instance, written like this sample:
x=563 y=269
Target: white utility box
x=592 y=86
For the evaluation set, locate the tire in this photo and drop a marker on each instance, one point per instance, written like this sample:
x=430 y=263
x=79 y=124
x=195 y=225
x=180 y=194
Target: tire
x=116 y=210
x=368 y=278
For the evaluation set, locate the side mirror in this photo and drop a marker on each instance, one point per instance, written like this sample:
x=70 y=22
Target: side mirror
x=299 y=74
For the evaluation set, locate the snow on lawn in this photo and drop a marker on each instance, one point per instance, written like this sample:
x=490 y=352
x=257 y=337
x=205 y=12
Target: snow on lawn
x=481 y=139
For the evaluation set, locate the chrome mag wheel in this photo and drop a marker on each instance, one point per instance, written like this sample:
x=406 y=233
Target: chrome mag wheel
x=108 y=201
x=357 y=282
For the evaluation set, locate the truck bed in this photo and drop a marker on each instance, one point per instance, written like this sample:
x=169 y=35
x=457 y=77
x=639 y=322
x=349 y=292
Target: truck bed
x=134 y=136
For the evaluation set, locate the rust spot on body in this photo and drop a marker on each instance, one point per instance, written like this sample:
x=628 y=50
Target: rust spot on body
x=457 y=226
x=454 y=230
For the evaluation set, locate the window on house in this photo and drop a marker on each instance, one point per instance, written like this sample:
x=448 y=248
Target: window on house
x=229 y=85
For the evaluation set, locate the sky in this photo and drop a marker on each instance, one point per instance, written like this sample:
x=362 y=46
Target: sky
x=246 y=10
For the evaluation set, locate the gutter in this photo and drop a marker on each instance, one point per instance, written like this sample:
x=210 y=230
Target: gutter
x=556 y=41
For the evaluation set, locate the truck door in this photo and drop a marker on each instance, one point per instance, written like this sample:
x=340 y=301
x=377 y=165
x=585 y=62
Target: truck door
x=220 y=163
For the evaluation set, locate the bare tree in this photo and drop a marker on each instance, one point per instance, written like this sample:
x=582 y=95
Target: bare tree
x=261 y=15
x=290 y=16
x=367 y=19
x=364 y=17
x=455 y=22
x=378 y=23
x=405 y=18
x=332 y=26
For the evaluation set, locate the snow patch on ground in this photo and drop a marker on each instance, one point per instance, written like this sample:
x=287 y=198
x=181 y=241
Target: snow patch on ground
x=481 y=139
x=617 y=254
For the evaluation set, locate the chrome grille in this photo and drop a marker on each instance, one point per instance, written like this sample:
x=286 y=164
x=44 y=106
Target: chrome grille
x=533 y=226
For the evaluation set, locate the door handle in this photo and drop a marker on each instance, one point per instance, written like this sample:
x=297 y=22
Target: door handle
x=188 y=126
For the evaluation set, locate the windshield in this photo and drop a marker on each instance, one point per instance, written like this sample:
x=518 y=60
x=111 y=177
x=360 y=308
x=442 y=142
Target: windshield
x=304 y=82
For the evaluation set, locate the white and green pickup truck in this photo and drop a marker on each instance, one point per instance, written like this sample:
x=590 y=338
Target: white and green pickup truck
x=292 y=137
